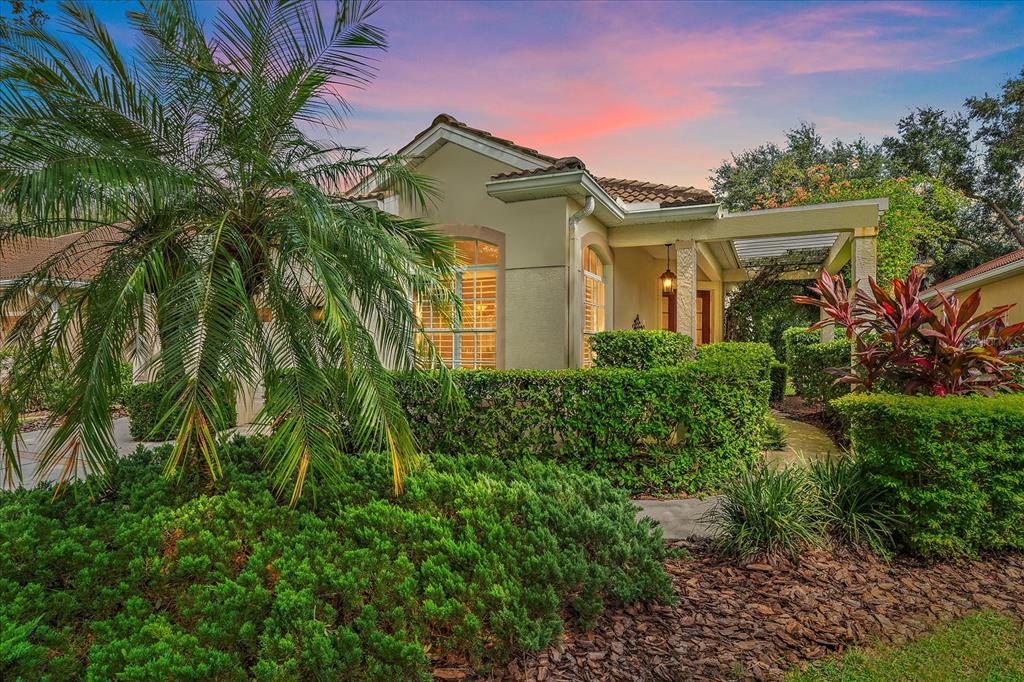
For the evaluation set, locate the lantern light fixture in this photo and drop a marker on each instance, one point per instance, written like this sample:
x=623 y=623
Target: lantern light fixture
x=668 y=278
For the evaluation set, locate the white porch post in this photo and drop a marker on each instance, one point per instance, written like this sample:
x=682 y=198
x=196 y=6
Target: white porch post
x=863 y=258
x=828 y=332
x=686 y=288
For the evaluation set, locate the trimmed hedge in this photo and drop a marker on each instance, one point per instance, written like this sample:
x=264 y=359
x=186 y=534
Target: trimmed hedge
x=663 y=430
x=954 y=467
x=807 y=358
x=181 y=579
x=641 y=349
x=779 y=372
x=142 y=402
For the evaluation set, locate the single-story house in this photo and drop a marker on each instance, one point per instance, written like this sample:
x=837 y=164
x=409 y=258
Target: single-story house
x=553 y=253
x=1000 y=280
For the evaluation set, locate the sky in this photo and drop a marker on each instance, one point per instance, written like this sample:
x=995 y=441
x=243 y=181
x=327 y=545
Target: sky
x=664 y=91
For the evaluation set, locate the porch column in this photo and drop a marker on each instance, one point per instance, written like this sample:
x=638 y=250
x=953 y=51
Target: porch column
x=828 y=332
x=686 y=288
x=863 y=257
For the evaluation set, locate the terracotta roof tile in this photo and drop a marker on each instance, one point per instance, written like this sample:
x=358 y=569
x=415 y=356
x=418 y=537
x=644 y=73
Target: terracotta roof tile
x=80 y=254
x=1012 y=257
x=448 y=119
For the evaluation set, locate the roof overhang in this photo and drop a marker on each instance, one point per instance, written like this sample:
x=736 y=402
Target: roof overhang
x=578 y=184
x=982 y=278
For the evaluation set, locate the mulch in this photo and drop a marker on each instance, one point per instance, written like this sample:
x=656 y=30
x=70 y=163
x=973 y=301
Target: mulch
x=34 y=421
x=757 y=620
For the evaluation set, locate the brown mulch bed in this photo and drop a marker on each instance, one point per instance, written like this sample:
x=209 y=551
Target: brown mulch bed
x=34 y=421
x=756 y=621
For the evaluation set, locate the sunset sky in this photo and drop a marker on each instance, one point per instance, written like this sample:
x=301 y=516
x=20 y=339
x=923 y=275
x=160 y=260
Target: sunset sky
x=664 y=91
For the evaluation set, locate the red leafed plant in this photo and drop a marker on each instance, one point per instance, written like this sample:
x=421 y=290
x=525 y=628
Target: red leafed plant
x=941 y=346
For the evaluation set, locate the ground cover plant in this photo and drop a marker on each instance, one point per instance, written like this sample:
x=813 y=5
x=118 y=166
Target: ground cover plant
x=687 y=428
x=981 y=646
x=160 y=578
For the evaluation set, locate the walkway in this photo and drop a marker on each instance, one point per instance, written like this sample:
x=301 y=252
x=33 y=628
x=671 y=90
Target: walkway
x=681 y=519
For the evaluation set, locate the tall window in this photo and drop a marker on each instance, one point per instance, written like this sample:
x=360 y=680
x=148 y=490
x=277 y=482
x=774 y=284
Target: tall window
x=593 y=300
x=474 y=343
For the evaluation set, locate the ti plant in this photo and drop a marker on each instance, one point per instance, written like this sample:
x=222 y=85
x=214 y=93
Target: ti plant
x=939 y=345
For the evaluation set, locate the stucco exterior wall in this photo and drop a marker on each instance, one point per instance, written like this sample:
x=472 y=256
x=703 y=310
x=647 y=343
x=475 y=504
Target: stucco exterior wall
x=1009 y=290
x=535 y=312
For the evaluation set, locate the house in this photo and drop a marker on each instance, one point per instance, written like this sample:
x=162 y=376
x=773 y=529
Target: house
x=553 y=253
x=1000 y=280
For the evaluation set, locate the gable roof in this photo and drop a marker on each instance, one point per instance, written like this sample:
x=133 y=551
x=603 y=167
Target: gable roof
x=626 y=191
x=1013 y=261
x=79 y=255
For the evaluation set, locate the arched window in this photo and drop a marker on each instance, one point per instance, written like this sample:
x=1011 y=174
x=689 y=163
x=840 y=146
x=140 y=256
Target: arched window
x=474 y=343
x=593 y=300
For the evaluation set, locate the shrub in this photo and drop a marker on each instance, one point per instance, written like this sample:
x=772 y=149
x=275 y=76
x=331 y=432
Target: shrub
x=779 y=374
x=767 y=512
x=775 y=436
x=641 y=349
x=663 y=430
x=182 y=579
x=939 y=346
x=809 y=359
x=953 y=467
x=855 y=508
x=145 y=406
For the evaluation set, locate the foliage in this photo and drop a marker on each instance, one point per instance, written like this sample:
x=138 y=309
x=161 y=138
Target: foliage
x=855 y=508
x=187 y=579
x=146 y=420
x=193 y=171
x=939 y=346
x=980 y=646
x=779 y=374
x=952 y=467
x=775 y=436
x=767 y=512
x=809 y=361
x=761 y=308
x=664 y=430
x=641 y=349
x=22 y=14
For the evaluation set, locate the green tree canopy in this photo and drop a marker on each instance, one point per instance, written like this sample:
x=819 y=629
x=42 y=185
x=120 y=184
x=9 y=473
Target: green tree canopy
x=192 y=163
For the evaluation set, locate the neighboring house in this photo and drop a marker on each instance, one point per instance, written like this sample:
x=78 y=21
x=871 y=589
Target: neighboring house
x=1001 y=282
x=553 y=253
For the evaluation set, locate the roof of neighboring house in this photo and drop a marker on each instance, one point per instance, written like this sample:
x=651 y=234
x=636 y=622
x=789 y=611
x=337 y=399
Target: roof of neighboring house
x=1014 y=257
x=628 y=191
x=78 y=255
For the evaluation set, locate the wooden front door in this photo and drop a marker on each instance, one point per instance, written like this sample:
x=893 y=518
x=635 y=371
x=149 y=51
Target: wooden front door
x=703 y=317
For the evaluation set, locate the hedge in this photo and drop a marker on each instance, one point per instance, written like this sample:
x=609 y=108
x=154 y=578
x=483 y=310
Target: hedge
x=641 y=349
x=142 y=402
x=183 y=579
x=954 y=467
x=666 y=430
x=779 y=372
x=807 y=358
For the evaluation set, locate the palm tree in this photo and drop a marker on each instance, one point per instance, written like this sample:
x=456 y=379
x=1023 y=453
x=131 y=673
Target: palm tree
x=190 y=165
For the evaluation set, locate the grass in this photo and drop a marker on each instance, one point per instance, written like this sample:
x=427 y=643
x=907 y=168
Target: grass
x=983 y=646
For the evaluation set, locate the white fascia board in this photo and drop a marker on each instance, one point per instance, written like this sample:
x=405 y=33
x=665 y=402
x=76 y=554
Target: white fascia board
x=442 y=133
x=980 y=279
x=882 y=203
x=673 y=214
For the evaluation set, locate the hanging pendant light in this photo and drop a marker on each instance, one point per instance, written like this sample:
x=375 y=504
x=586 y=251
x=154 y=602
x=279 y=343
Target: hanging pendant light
x=668 y=278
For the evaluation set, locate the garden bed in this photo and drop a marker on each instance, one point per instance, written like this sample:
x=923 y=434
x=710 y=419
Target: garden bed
x=757 y=621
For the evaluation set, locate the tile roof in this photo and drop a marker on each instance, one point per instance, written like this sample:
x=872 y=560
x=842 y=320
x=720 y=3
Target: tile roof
x=80 y=255
x=1007 y=259
x=629 y=191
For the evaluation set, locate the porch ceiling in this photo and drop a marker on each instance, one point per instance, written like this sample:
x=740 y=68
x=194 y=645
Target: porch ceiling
x=789 y=253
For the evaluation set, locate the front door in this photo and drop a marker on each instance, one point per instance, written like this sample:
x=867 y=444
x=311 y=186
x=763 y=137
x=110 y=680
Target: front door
x=668 y=315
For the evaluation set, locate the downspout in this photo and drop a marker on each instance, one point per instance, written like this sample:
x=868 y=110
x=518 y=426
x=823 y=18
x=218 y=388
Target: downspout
x=575 y=303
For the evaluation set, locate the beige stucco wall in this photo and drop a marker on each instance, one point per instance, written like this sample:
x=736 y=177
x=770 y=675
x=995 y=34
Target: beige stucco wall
x=535 y=311
x=1007 y=291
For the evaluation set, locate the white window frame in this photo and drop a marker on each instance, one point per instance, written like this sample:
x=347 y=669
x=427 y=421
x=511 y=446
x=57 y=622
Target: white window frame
x=600 y=310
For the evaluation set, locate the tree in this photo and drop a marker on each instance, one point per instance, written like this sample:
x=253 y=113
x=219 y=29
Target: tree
x=761 y=309
x=22 y=13
x=192 y=167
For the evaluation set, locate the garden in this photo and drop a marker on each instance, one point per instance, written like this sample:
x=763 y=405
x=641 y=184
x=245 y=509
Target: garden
x=397 y=520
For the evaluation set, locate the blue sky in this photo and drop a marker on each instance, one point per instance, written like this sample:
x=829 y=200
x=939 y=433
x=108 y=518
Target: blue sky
x=664 y=91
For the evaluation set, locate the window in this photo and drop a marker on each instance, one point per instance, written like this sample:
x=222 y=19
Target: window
x=593 y=300
x=475 y=342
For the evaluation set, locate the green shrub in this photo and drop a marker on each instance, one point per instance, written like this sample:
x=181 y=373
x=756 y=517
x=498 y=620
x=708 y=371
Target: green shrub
x=183 y=579
x=767 y=512
x=663 y=430
x=855 y=506
x=808 y=357
x=775 y=436
x=145 y=406
x=779 y=375
x=641 y=349
x=952 y=468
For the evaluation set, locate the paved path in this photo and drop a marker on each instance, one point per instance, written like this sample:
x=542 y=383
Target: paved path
x=681 y=519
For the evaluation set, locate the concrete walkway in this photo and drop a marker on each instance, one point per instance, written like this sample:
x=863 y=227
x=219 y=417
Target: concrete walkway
x=681 y=519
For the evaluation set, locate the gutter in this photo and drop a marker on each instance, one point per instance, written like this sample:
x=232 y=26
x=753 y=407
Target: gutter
x=575 y=308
